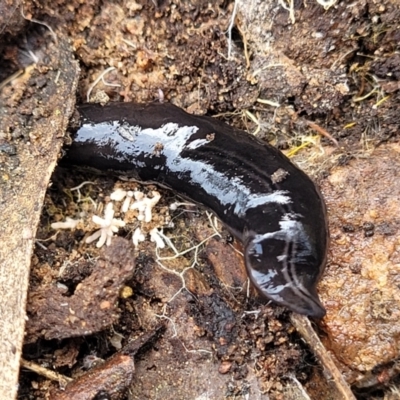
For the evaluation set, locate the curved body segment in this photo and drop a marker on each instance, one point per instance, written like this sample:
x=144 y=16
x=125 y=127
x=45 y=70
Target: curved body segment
x=269 y=204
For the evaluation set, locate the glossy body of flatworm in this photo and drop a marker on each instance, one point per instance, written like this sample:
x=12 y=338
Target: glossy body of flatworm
x=269 y=204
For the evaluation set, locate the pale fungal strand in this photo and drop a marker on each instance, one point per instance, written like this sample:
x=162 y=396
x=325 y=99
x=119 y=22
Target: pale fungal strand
x=138 y=237
x=327 y=3
x=174 y=206
x=127 y=201
x=69 y=223
x=118 y=194
x=156 y=238
x=108 y=226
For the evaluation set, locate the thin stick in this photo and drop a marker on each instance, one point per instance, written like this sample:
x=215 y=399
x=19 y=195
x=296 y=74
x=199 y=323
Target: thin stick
x=246 y=52
x=323 y=132
x=331 y=371
x=52 y=375
x=233 y=17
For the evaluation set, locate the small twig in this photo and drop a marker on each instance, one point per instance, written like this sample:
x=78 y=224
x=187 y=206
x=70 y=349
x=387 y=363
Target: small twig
x=41 y=245
x=16 y=75
x=236 y=250
x=253 y=118
x=323 y=132
x=382 y=100
x=246 y=52
x=52 y=375
x=337 y=61
x=174 y=206
x=299 y=387
x=129 y=43
x=51 y=238
x=374 y=90
x=230 y=27
x=268 y=102
x=307 y=140
x=252 y=312
x=331 y=371
x=350 y=125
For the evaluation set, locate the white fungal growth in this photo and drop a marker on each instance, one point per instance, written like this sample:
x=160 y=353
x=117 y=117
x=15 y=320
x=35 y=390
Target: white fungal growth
x=108 y=226
x=127 y=201
x=174 y=206
x=156 y=238
x=131 y=200
x=327 y=3
x=145 y=205
x=138 y=237
x=118 y=194
x=69 y=223
x=138 y=195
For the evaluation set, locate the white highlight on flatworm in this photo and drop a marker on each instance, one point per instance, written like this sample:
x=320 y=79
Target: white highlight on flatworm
x=231 y=191
x=291 y=233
